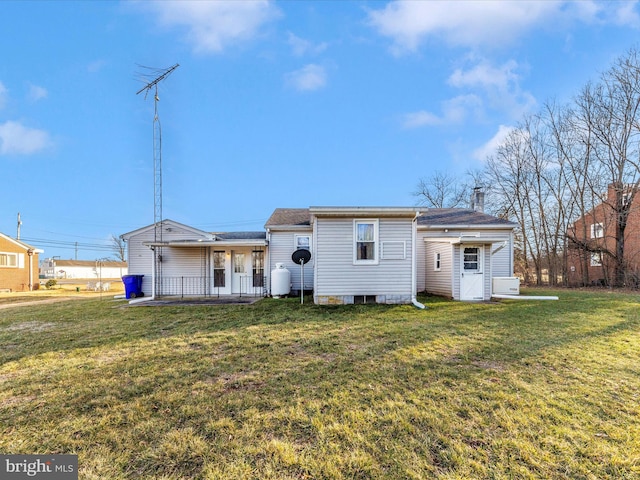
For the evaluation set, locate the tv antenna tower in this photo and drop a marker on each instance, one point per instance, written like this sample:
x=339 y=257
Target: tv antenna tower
x=155 y=76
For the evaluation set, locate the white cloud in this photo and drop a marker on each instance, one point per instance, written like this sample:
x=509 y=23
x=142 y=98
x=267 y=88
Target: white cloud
x=454 y=111
x=310 y=77
x=498 y=85
x=461 y=23
x=96 y=66
x=301 y=47
x=627 y=15
x=212 y=26
x=421 y=118
x=37 y=93
x=485 y=75
x=4 y=94
x=489 y=148
x=17 y=139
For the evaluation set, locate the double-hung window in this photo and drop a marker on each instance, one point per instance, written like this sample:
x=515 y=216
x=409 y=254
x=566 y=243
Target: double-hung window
x=597 y=230
x=365 y=245
x=8 y=260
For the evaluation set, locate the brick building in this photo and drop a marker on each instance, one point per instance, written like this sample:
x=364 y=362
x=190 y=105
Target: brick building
x=592 y=256
x=18 y=265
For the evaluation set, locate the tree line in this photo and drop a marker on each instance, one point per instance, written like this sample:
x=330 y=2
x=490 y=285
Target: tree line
x=554 y=167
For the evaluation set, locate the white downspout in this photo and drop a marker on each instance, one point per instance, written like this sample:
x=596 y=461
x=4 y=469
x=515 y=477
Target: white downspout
x=30 y=254
x=153 y=273
x=414 y=266
x=268 y=248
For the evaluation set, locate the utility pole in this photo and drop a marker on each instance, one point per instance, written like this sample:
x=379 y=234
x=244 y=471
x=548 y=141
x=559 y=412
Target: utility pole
x=19 y=225
x=159 y=74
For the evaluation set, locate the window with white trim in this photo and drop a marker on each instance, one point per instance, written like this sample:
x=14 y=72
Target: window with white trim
x=597 y=230
x=365 y=245
x=302 y=241
x=8 y=260
x=596 y=259
x=437 y=262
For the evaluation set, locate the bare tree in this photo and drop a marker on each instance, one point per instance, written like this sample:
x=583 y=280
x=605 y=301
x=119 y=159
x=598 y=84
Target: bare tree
x=119 y=248
x=611 y=110
x=442 y=190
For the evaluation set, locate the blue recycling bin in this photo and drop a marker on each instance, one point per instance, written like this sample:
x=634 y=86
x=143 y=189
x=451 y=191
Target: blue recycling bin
x=133 y=286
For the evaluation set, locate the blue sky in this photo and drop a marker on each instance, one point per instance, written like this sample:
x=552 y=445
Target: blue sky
x=275 y=103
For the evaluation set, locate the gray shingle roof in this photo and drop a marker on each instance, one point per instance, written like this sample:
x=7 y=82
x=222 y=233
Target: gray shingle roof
x=240 y=235
x=290 y=216
x=459 y=216
x=431 y=217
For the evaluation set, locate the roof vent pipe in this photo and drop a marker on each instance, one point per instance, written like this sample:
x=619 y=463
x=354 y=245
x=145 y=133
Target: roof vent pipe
x=477 y=200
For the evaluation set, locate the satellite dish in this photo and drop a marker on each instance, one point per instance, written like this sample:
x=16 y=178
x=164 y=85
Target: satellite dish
x=301 y=256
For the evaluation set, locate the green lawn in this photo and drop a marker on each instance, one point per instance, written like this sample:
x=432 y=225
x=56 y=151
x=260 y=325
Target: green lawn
x=279 y=390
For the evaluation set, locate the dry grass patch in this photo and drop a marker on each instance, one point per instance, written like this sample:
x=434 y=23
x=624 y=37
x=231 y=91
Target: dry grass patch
x=279 y=390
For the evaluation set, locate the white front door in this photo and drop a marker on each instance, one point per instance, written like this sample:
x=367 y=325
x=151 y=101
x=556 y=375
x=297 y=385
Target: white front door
x=239 y=273
x=472 y=277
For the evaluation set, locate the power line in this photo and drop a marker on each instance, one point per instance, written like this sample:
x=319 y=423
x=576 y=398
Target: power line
x=43 y=242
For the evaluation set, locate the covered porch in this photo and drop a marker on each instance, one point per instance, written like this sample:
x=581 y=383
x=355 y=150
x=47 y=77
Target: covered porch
x=229 y=265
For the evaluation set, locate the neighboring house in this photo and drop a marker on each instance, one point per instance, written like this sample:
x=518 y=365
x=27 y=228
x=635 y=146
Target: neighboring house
x=358 y=255
x=591 y=239
x=18 y=265
x=84 y=269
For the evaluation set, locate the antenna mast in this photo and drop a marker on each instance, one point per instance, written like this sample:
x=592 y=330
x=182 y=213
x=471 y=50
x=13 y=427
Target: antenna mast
x=156 y=76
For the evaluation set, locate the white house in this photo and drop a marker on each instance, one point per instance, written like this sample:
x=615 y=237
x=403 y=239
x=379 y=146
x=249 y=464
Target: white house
x=358 y=255
x=82 y=269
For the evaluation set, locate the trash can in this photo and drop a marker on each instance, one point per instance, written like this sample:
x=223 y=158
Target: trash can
x=133 y=286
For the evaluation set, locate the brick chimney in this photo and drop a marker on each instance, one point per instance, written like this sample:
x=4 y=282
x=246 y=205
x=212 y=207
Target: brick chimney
x=477 y=200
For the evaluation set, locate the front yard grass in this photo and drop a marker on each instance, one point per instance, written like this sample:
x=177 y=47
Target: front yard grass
x=279 y=390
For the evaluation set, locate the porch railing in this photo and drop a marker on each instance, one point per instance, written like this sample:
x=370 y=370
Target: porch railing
x=198 y=286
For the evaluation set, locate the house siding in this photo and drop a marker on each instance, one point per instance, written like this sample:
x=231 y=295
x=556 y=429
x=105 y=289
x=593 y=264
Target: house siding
x=281 y=246
x=336 y=274
x=176 y=262
x=438 y=282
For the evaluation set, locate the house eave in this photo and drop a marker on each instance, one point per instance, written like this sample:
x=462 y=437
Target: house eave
x=289 y=228
x=467 y=240
x=365 y=211
x=209 y=243
x=467 y=226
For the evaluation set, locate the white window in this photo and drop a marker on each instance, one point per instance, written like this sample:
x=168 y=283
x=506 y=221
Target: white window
x=596 y=259
x=597 y=230
x=437 y=262
x=302 y=241
x=9 y=260
x=365 y=245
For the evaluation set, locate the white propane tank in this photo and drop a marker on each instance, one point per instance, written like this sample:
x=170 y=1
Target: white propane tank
x=280 y=281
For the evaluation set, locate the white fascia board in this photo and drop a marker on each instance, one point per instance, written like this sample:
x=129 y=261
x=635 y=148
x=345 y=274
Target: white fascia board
x=364 y=211
x=208 y=243
x=465 y=240
x=506 y=228
x=21 y=244
x=165 y=224
x=289 y=228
